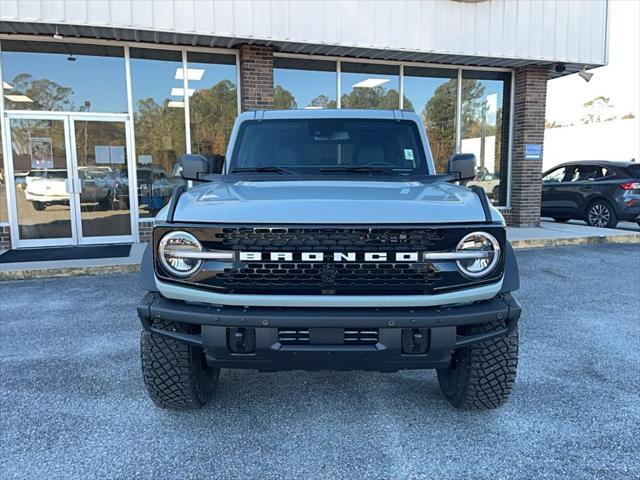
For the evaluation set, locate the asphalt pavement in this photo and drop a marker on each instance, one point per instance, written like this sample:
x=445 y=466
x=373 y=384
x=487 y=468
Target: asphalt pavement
x=72 y=402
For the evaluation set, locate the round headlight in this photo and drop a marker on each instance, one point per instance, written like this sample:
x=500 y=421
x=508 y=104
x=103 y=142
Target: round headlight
x=174 y=249
x=488 y=253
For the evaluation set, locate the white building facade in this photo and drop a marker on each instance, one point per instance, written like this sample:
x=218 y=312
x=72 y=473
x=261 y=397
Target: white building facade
x=102 y=97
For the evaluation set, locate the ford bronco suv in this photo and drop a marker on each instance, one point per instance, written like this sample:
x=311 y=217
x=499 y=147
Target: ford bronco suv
x=328 y=241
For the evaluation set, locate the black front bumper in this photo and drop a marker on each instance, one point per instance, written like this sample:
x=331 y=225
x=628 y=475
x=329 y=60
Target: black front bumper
x=405 y=338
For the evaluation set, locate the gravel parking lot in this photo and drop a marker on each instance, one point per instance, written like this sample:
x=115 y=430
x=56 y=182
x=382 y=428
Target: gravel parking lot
x=73 y=404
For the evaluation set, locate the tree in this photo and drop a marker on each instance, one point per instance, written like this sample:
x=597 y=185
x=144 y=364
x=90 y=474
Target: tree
x=439 y=116
x=213 y=112
x=46 y=95
x=376 y=97
x=322 y=101
x=283 y=99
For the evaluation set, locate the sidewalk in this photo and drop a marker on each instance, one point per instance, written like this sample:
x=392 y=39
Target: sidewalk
x=548 y=234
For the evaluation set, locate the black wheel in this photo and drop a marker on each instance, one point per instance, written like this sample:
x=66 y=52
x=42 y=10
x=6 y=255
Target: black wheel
x=176 y=375
x=561 y=220
x=601 y=214
x=39 y=206
x=106 y=203
x=496 y=193
x=480 y=377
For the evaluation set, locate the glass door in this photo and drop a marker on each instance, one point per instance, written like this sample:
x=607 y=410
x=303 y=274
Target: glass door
x=40 y=181
x=100 y=153
x=69 y=179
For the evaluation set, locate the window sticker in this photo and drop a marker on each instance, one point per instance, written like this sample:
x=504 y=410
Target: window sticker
x=408 y=154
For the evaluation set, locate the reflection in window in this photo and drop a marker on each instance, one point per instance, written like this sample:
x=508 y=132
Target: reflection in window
x=4 y=216
x=302 y=83
x=213 y=101
x=370 y=86
x=431 y=93
x=484 y=124
x=63 y=76
x=158 y=111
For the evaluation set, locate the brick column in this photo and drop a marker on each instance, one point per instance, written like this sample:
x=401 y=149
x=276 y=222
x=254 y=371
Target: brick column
x=256 y=77
x=528 y=128
x=5 y=238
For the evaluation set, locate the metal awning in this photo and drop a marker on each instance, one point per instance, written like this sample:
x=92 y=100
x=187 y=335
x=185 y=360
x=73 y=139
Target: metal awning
x=212 y=41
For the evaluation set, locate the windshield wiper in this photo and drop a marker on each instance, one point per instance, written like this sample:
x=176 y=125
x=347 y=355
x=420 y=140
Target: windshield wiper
x=362 y=169
x=267 y=169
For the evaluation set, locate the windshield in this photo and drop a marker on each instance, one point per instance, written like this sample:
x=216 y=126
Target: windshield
x=330 y=145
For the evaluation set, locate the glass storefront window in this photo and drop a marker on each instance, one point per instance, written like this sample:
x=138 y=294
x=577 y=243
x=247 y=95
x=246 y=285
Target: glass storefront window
x=158 y=111
x=370 y=86
x=213 y=101
x=303 y=83
x=484 y=125
x=63 y=76
x=431 y=93
x=4 y=216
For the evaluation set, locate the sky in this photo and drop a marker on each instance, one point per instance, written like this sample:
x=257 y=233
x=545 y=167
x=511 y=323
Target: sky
x=619 y=80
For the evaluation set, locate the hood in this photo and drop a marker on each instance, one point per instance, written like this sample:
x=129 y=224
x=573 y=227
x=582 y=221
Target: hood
x=330 y=202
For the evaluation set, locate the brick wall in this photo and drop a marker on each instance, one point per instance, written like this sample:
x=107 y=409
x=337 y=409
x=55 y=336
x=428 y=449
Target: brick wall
x=256 y=77
x=528 y=128
x=5 y=238
x=144 y=230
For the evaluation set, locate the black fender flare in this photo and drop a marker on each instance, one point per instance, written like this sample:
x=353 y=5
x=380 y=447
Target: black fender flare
x=146 y=277
x=511 y=279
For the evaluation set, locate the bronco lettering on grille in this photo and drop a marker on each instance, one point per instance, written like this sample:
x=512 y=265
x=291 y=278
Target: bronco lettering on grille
x=335 y=256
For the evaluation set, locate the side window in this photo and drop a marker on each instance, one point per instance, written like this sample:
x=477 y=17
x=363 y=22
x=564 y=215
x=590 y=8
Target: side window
x=555 y=176
x=586 y=173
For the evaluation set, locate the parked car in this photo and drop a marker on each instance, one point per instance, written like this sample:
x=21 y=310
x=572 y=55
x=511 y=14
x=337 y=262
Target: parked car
x=44 y=187
x=487 y=180
x=599 y=192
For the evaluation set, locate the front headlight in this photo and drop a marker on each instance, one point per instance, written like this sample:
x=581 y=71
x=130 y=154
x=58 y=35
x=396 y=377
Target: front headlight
x=171 y=249
x=488 y=249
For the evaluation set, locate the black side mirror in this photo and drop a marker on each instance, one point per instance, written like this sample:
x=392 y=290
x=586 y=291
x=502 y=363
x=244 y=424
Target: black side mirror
x=218 y=164
x=194 y=167
x=462 y=166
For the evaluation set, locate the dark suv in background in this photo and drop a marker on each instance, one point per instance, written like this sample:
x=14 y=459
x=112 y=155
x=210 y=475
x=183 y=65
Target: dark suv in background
x=599 y=192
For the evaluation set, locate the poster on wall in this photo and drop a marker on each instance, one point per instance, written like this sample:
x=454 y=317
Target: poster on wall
x=41 y=152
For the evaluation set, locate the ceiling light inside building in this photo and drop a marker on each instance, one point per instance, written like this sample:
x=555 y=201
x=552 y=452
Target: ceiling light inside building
x=175 y=104
x=6 y=86
x=192 y=73
x=179 y=92
x=370 y=83
x=18 y=98
x=311 y=107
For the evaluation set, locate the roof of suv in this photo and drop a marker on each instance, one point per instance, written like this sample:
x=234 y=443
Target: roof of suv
x=317 y=113
x=613 y=163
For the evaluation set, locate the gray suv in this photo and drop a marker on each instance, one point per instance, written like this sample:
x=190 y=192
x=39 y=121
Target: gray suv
x=328 y=241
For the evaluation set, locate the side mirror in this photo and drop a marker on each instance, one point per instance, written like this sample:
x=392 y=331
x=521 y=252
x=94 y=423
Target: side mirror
x=218 y=164
x=463 y=166
x=194 y=167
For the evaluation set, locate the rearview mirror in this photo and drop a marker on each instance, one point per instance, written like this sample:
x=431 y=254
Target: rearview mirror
x=194 y=167
x=463 y=166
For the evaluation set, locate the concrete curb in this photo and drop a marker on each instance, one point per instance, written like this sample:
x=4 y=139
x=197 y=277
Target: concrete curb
x=631 y=238
x=67 y=272
x=562 y=242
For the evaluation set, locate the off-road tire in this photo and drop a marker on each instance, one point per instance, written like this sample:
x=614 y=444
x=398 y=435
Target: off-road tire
x=480 y=376
x=176 y=374
x=599 y=212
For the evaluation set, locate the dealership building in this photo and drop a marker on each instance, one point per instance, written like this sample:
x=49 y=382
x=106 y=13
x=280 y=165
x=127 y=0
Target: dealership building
x=100 y=99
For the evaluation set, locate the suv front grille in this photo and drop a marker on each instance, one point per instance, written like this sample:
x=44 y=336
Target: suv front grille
x=265 y=275
x=327 y=239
